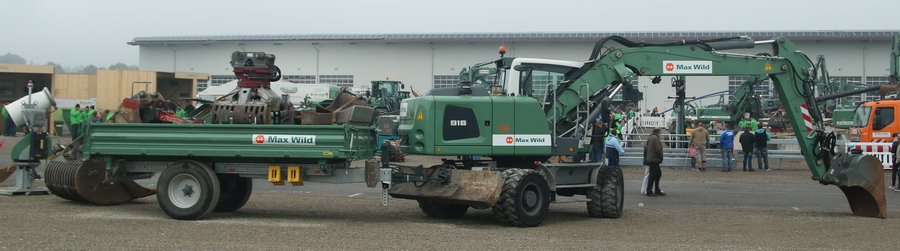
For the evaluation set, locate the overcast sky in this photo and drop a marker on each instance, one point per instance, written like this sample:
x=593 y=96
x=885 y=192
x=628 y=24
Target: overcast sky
x=82 y=32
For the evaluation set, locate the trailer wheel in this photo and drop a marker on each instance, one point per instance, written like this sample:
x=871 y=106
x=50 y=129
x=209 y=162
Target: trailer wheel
x=608 y=196
x=188 y=190
x=524 y=199
x=441 y=210
x=235 y=192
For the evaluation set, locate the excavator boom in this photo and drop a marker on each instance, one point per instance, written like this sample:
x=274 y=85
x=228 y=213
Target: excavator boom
x=794 y=76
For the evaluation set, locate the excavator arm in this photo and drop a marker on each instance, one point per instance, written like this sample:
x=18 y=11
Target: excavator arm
x=792 y=72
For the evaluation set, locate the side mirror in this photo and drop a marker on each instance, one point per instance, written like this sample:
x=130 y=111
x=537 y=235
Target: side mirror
x=402 y=86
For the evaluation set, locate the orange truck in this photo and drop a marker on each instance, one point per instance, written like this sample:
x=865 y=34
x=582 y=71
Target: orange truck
x=875 y=121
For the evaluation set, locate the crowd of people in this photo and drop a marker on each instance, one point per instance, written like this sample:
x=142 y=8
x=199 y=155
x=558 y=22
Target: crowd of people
x=606 y=138
x=753 y=143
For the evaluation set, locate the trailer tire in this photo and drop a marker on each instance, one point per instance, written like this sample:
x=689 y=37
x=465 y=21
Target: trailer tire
x=235 y=192
x=441 y=210
x=524 y=199
x=188 y=190
x=608 y=196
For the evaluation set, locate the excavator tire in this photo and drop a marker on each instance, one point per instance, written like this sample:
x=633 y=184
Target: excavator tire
x=441 y=210
x=524 y=198
x=235 y=192
x=83 y=182
x=608 y=196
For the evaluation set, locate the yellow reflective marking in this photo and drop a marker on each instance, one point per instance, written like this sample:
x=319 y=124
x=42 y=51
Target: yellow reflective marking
x=275 y=175
x=768 y=67
x=420 y=117
x=293 y=175
x=327 y=153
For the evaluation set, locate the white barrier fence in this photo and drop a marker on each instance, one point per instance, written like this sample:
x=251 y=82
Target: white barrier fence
x=653 y=122
x=882 y=151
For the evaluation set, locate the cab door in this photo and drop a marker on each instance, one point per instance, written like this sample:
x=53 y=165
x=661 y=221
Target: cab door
x=883 y=123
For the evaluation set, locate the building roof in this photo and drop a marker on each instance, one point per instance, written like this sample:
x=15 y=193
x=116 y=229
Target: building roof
x=533 y=36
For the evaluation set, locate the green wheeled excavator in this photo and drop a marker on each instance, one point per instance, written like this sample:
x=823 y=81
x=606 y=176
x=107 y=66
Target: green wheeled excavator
x=520 y=129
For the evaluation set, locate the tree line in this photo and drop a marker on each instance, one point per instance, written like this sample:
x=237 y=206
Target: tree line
x=10 y=58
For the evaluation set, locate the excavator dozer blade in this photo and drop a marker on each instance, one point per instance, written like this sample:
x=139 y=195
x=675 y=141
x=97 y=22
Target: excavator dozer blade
x=83 y=181
x=474 y=188
x=861 y=178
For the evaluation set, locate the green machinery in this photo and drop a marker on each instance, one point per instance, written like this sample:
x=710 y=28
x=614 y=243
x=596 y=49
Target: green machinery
x=34 y=147
x=386 y=95
x=743 y=104
x=207 y=167
x=481 y=74
x=519 y=132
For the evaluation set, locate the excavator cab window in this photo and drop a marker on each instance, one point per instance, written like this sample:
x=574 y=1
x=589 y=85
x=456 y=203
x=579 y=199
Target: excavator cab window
x=884 y=116
x=387 y=89
x=861 y=116
x=535 y=78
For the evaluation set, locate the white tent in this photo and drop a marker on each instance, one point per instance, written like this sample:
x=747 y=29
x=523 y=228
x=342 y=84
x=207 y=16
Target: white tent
x=297 y=92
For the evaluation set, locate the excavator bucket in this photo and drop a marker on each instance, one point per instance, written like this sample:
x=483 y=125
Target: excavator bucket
x=83 y=181
x=861 y=178
x=6 y=172
x=474 y=188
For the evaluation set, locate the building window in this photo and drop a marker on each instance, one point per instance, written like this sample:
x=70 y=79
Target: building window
x=300 y=79
x=217 y=80
x=338 y=80
x=735 y=82
x=441 y=81
x=874 y=81
x=202 y=85
x=852 y=83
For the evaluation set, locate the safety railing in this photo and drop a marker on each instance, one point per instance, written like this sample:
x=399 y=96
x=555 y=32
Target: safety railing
x=882 y=151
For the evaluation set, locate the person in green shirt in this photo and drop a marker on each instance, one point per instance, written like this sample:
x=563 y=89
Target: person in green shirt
x=90 y=113
x=753 y=123
x=179 y=111
x=75 y=117
x=743 y=123
x=109 y=115
x=10 y=128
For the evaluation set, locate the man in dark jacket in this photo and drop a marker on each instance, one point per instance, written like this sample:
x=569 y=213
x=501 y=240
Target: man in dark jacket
x=654 y=157
x=597 y=141
x=762 y=148
x=747 y=141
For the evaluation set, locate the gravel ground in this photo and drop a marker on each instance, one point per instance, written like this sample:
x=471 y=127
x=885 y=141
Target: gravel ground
x=778 y=210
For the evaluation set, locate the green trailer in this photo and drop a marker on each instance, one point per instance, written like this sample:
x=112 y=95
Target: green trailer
x=206 y=167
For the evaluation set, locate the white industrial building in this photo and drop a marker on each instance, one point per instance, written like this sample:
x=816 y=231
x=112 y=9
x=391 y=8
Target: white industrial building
x=427 y=61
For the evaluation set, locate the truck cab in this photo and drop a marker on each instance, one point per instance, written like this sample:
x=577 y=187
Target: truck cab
x=875 y=121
